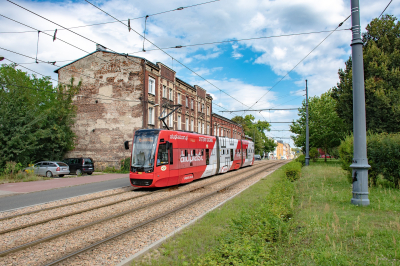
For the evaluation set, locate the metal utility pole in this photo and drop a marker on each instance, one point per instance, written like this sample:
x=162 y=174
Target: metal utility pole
x=360 y=161
x=307 y=131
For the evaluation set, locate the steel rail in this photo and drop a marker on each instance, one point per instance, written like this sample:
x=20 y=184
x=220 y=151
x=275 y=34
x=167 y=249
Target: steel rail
x=63 y=205
x=155 y=218
x=80 y=211
x=48 y=238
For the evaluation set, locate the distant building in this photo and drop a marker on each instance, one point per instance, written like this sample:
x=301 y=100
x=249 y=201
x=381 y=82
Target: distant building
x=225 y=127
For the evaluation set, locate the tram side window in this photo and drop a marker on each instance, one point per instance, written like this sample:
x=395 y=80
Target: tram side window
x=202 y=152
x=162 y=157
x=186 y=153
x=246 y=153
x=232 y=155
x=207 y=157
x=194 y=153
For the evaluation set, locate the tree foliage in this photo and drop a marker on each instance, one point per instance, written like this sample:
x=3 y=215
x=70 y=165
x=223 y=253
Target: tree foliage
x=35 y=117
x=256 y=131
x=381 y=53
x=326 y=128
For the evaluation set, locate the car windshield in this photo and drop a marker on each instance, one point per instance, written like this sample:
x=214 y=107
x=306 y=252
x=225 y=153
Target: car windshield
x=144 y=148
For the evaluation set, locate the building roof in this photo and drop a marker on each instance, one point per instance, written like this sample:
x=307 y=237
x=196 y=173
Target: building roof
x=226 y=119
x=125 y=55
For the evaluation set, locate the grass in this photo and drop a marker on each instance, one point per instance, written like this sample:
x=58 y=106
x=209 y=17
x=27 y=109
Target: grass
x=325 y=229
x=20 y=177
x=189 y=245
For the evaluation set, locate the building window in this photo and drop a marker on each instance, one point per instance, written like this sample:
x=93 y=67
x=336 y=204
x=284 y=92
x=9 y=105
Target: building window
x=151 y=115
x=198 y=107
x=208 y=129
x=192 y=125
x=202 y=108
x=199 y=127
x=202 y=128
x=171 y=121
x=152 y=85
x=179 y=98
x=171 y=98
x=187 y=101
x=215 y=130
x=179 y=122
x=187 y=124
x=164 y=91
x=208 y=110
x=191 y=104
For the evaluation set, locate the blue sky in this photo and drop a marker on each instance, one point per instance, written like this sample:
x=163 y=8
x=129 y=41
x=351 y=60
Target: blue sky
x=244 y=69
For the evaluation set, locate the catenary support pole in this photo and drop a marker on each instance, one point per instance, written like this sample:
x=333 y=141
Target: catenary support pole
x=307 y=132
x=360 y=161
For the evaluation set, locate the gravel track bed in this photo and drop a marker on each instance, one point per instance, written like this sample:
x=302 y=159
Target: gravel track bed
x=113 y=252
x=37 y=255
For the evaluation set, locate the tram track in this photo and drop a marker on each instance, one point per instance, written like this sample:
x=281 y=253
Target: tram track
x=26 y=225
x=187 y=190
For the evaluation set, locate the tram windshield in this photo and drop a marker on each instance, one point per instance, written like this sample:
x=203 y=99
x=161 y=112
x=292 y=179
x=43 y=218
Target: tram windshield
x=144 y=149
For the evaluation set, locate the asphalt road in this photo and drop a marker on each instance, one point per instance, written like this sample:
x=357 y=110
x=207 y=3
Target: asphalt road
x=23 y=200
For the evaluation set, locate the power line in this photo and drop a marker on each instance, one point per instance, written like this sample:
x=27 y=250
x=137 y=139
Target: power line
x=110 y=98
x=340 y=24
x=259 y=110
x=115 y=51
x=385 y=9
x=166 y=53
x=111 y=22
x=238 y=40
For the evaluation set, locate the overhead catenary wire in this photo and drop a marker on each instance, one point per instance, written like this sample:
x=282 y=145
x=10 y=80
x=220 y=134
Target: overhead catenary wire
x=111 y=22
x=239 y=40
x=111 y=49
x=340 y=24
x=385 y=9
x=167 y=54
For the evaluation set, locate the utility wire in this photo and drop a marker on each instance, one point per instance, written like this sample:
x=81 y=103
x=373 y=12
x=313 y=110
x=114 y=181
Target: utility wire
x=96 y=24
x=109 y=98
x=259 y=110
x=340 y=24
x=166 y=54
x=385 y=9
x=96 y=42
x=239 y=40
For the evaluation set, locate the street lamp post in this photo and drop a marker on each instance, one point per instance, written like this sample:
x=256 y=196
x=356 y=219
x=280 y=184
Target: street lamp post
x=360 y=161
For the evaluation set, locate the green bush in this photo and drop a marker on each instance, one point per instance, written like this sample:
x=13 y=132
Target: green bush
x=124 y=169
x=383 y=152
x=301 y=159
x=292 y=171
x=314 y=154
x=346 y=156
x=125 y=165
x=249 y=240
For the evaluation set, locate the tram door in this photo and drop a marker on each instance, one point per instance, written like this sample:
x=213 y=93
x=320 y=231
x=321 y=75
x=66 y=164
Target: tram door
x=162 y=166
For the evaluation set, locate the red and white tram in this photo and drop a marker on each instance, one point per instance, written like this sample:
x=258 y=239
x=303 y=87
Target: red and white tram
x=163 y=158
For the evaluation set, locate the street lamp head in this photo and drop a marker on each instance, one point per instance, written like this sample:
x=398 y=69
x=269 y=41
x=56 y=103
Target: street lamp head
x=1 y=58
x=156 y=105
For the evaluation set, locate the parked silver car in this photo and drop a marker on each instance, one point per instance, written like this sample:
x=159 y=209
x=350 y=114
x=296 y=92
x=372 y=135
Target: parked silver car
x=49 y=168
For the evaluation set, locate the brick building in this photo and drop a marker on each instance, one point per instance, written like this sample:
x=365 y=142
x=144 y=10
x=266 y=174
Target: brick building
x=224 y=127
x=121 y=94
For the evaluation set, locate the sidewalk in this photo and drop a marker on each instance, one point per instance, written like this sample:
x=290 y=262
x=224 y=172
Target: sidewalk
x=34 y=186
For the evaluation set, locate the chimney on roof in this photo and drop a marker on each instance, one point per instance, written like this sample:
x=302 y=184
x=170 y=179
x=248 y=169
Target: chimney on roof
x=100 y=47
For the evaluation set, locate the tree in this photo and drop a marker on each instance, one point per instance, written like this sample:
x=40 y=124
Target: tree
x=256 y=131
x=326 y=128
x=35 y=118
x=381 y=52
